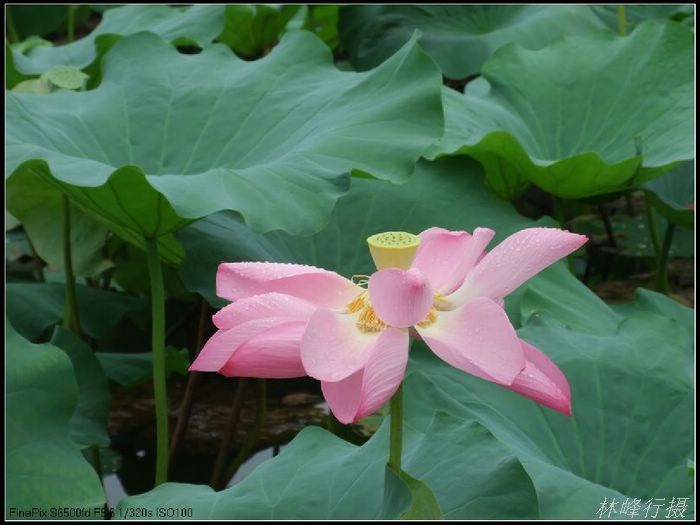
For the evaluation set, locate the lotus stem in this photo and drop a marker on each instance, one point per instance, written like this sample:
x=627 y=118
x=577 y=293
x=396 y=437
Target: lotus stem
x=38 y=263
x=71 y=22
x=231 y=426
x=609 y=232
x=183 y=417
x=653 y=229
x=558 y=210
x=659 y=259
x=396 y=430
x=12 y=34
x=158 y=343
x=97 y=465
x=97 y=462
x=662 y=284
x=628 y=204
x=252 y=438
x=71 y=320
x=621 y=20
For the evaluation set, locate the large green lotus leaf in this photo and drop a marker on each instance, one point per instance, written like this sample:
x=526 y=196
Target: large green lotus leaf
x=449 y=193
x=572 y=117
x=168 y=137
x=673 y=193
x=38 y=205
x=251 y=29
x=408 y=497
x=44 y=467
x=198 y=25
x=34 y=307
x=12 y=76
x=650 y=301
x=30 y=43
x=11 y=221
x=554 y=292
x=631 y=432
x=459 y=38
x=319 y=475
x=89 y=421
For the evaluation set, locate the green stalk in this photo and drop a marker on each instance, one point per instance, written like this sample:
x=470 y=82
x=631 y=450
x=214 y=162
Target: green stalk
x=396 y=430
x=628 y=204
x=653 y=229
x=659 y=258
x=609 y=231
x=558 y=210
x=97 y=462
x=70 y=315
x=253 y=435
x=158 y=342
x=71 y=321
x=621 y=20
x=97 y=465
x=183 y=417
x=71 y=22
x=38 y=264
x=217 y=481
x=662 y=261
x=12 y=34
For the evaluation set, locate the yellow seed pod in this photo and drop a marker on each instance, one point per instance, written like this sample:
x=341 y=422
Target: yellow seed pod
x=393 y=249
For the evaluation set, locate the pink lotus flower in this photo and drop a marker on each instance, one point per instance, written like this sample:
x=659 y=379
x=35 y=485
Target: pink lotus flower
x=291 y=320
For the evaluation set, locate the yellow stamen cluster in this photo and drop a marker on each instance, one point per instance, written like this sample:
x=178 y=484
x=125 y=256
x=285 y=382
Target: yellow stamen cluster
x=429 y=319
x=367 y=321
x=440 y=302
x=358 y=303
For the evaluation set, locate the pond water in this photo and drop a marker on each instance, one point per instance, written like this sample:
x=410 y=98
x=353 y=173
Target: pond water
x=129 y=464
x=116 y=492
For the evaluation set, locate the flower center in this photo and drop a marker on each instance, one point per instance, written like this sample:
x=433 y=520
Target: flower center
x=439 y=304
x=388 y=250
x=367 y=320
x=393 y=249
